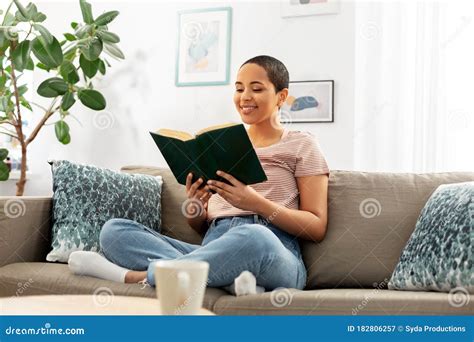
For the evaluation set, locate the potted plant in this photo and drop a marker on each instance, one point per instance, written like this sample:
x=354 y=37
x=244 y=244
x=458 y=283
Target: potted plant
x=73 y=61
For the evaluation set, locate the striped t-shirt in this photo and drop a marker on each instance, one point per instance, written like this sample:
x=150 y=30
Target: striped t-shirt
x=297 y=154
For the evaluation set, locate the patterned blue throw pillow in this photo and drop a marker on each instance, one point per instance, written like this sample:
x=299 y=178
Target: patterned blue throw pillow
x=439 y=254
x=85 y=197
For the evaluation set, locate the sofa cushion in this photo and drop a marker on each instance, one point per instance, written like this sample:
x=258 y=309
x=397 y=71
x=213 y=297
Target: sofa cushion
x=438 y=255
x=42 y=278
x=371 y=215
x=85 y=197
x=37 y=278
x=25 y=228
x=343 y=302
x=174 y=223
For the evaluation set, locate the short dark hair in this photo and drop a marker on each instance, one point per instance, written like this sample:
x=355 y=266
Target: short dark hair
x=276 y=70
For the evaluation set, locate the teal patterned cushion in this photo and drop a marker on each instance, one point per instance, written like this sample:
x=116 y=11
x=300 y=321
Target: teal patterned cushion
x=439 y=255
x=85 y=197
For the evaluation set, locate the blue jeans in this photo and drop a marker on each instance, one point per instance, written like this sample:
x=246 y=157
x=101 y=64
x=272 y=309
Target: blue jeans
x=231 y=245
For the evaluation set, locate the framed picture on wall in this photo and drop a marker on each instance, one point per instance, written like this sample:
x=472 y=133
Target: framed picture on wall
x=309 y=101
x=299 y=8
x=203 y=51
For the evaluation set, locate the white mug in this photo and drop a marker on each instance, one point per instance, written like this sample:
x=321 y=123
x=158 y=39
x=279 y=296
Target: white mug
x=180 y=285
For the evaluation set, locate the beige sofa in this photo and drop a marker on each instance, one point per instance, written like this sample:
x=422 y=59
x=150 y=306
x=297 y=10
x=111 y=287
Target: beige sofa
x=371 y=217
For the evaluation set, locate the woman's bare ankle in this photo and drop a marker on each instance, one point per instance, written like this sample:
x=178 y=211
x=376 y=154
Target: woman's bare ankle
x=134 y=276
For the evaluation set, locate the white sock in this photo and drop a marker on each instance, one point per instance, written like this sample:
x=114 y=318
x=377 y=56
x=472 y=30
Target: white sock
x=95 y=265
x=245 y=284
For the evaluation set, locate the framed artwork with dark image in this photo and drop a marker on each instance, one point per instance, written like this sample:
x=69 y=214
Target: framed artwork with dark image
x=301 y=8
x=309 y=101
x=203 y=51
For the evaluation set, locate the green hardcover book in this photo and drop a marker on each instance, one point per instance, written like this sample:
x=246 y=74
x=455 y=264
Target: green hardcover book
x=224 y=147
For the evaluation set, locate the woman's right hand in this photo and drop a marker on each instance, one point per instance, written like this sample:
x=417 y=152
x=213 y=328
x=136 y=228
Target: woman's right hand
x=193 y=191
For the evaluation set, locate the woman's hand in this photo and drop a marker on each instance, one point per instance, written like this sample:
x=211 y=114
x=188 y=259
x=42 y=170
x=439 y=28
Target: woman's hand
x=238 y=194
x=195 y=193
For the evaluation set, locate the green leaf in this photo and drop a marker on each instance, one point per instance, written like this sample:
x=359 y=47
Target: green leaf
x=4 y=43
x=74 y=25
x=48 y=37
x=3 y=80
x=9 y=19
x=50 y=55
x=114 y=50
x=108 y=37
x=21 y=54
x=92 y=49
x=42 y=66
x=52 y=87
x=106 y=18
x=39 y=17
x=84 y=31
x=67 y=139
x=86 y=10
x=70 y=54
x=3 y=104
x=62 y=131
x=7 y=105
x=20 y=18
x=67 y=101
x=25 y=104
x=70 y=37
x=3 y=154
x=69 y=73
x=89 y=67
x=102 y=67
x=22 y=10
x=22 y=89
x=4 y=172
x=92 y=99
x=32 y=10
x=59 y=85
x=30 y=65
x=33 y=13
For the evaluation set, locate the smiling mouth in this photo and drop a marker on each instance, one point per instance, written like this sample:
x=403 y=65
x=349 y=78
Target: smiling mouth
x=247 y=109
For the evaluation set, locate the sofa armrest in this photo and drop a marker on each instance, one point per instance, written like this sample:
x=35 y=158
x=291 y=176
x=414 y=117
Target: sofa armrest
x=25 y=229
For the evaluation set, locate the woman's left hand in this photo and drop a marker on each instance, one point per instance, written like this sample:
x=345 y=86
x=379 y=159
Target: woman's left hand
x=238 y=194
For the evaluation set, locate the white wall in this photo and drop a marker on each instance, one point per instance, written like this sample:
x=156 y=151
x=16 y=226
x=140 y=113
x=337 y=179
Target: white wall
x=141 y=94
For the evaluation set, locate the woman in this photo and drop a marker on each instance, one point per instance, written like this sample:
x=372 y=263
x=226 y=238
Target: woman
x=247 y=228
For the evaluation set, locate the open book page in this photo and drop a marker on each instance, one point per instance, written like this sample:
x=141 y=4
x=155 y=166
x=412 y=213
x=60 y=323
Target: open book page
x=212 y=128
x=175 y=134
x=184 y=136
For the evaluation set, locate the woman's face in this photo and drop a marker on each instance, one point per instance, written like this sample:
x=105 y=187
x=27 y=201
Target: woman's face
x=255 y=97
